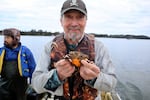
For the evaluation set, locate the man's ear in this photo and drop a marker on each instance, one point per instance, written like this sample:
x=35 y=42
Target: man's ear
x=61 y=21
x=18 y=38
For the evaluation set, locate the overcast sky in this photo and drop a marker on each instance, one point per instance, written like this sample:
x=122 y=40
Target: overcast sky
x=104 y=16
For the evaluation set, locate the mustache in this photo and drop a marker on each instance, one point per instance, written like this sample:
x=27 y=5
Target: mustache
x=74 y=28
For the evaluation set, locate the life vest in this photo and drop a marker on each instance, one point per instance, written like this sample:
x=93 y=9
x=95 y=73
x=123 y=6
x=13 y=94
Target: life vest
x=80 y=91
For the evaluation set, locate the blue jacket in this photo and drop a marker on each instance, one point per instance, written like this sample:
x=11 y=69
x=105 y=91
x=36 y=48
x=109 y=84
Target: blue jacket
x=26 y=62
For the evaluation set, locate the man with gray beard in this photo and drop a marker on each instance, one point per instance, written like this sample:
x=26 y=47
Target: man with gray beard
x=59 y=74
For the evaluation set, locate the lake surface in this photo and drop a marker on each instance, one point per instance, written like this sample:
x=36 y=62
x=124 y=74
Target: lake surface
x=131 y=58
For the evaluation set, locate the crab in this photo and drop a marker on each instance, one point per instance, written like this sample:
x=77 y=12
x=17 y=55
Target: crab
x=75 y=58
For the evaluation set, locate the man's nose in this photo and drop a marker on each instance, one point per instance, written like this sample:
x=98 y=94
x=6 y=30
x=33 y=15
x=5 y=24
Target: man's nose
x=74 y=22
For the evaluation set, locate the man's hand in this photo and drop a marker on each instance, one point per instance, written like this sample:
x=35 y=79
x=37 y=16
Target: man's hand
x=64 y=69
x=88 y=70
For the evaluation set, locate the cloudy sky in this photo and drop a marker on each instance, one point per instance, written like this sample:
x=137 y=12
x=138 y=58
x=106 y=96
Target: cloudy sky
x=104 y=16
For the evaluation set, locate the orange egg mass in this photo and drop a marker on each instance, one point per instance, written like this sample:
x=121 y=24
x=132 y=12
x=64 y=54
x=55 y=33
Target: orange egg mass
x=76 y=62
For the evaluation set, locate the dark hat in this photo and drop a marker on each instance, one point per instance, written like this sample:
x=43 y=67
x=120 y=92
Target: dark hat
x=74 y=5
x=13 y=32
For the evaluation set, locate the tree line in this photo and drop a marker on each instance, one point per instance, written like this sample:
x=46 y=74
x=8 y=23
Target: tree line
x=45 y=33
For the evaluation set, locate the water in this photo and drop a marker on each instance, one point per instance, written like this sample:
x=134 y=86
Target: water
x=131 y=59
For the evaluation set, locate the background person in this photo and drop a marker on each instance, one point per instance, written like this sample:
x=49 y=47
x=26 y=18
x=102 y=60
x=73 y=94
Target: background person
x=16 y=65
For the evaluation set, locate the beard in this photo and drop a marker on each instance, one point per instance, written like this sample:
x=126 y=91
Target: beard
x=74 y=37
x=10 y=45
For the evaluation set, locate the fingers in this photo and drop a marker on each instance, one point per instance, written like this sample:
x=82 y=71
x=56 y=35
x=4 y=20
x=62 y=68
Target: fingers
x=90 y=65
x=87 y=74
x=89 y=70
x=64 y=69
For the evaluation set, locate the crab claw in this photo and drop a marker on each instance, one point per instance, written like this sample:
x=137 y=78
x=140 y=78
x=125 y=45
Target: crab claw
x=68 y=58
x=75 y=58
